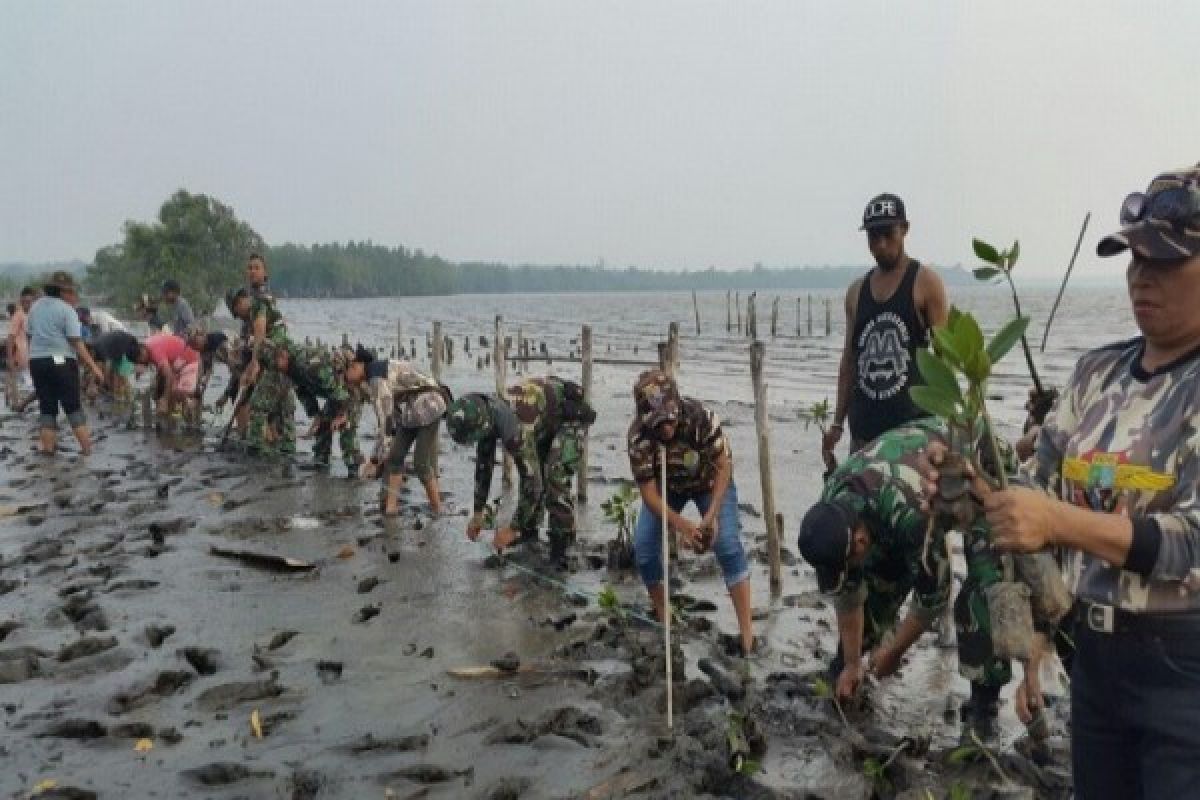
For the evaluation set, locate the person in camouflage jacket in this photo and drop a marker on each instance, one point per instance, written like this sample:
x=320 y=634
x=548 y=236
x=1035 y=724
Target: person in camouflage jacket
x=699 y=468
x=541 y=423
x=866 y=538
x=322 y=429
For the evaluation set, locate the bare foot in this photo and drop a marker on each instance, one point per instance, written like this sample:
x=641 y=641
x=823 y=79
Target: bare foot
x=504 y=537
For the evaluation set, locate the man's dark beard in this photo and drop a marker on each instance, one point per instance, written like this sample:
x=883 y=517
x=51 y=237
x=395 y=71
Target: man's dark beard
x=890 y=265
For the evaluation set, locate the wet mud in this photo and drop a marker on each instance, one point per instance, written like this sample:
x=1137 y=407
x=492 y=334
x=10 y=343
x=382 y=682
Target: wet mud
x=403 y=659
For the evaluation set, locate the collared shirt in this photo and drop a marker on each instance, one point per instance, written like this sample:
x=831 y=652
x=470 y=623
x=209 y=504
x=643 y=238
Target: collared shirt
x=52 y=322
x=395 y=387
x=169 y=350
x=1126 y=441
x=692 y=456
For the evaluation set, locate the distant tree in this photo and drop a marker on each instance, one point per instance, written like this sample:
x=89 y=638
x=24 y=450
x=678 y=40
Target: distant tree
x=197 y=240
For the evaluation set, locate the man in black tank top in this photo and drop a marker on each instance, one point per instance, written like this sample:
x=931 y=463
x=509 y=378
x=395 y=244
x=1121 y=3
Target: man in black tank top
x=888 y=316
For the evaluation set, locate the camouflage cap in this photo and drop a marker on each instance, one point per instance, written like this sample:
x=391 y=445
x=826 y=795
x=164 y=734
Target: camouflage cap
x=825 y=539
x=469 y=419
x=1161 y=239
x=657 y=398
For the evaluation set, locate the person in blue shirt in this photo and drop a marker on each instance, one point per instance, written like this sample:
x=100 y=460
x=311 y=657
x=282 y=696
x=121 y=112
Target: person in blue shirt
x=55 y=349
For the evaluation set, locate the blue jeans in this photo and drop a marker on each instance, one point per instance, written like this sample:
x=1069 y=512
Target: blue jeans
x=647 y=537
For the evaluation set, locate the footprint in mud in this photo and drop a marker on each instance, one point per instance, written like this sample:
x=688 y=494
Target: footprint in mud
x=568 y=722
x=8 y=585
x=66 y=793
x=329 y=671
x=394 y=744
x=281 y=638
x=164 y=684
x=156 y=635
x=82 y=729
x=132 y=730
x=84 y=613
x=230 y=695
x=366 y=613
x=87 y=646
x=367 y=584
x=20 y=664
x=137 y=585
x=223 y=773
x=205 y=660
x=508 y=789
x=427 y=774
x=7 y=627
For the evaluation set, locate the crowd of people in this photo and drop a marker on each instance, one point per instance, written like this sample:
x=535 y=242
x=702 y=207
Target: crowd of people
x=1108 y=496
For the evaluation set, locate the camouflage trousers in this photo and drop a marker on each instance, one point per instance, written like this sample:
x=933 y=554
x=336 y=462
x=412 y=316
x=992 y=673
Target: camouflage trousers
x=559 y=457
x=347 y=440
x=272 y=428
x=972 y=623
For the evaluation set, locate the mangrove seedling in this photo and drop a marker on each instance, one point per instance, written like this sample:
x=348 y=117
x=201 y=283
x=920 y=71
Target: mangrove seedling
x=619 y=510
x=1000 y=264
x=959 y=352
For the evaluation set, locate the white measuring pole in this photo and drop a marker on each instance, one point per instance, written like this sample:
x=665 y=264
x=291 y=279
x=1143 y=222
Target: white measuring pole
x=666 y=562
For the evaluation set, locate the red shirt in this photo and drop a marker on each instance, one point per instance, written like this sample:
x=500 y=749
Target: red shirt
x=169 y=350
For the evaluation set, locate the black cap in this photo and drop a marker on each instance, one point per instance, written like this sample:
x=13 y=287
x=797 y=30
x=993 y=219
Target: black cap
x=170 y=285
x=363 y=355
x=885 y=209
x=825 y=536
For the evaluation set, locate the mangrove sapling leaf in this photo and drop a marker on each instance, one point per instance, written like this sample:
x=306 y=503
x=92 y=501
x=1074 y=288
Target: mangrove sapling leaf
x=1012 y=254
x=968 y=336
x=816 y=414
x=944 y=347
x=986 y=273
x=985 y=252
x=1006 y=338
x=936 y=402
x=978 y=368
x=937 y=375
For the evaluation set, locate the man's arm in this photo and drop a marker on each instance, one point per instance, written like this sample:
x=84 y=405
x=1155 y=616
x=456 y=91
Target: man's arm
x=186 y=317
x=851 y=621
x=485 y=465
x=720 y=485
x=85 y=356
x=845 y=380
x=529 y=467
x=932 y=304
x=652 y=500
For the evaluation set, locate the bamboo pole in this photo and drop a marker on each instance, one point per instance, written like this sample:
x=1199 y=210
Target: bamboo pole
x=666 y=617
x=797 y=316
x=673 y=345
x=498 y=357
x=774 y=317
x=757 y=352
x=728 y=313
x=435 y=370
x=520 y=348
x=664 y=358
x=810 y=316
x=585 y=351
x=345 y=340
x=737 y=303
x=400 y=338
x=828 y=317
x=696 y=308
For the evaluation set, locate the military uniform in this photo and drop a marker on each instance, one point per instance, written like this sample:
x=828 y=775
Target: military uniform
x=541 y=422
x=272 y=428
x=882 y=484
x=348 y=435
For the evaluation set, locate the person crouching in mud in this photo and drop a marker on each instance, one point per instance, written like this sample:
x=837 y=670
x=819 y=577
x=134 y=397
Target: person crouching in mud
x=542 y=423
x=410 y=405
x=700 y=471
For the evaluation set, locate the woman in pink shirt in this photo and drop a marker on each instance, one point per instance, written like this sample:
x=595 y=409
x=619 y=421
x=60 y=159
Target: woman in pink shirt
x=178 y=367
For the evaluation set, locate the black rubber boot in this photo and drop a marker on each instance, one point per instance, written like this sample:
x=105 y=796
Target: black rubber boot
x=558 y=551
x=979 y=713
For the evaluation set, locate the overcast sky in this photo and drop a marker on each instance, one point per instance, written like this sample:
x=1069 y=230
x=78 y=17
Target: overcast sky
x=662 y=134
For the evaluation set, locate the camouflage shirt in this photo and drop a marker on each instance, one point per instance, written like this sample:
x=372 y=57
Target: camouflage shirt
x=311 y=372
x=692 y=456
x=883 y=485
x=262 y=304
x=1126 y=441
x=399 y=391
x=525 y=421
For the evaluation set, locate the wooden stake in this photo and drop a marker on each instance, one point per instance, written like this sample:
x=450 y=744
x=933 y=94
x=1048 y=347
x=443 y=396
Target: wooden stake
x=435 y=370
x=345 y=340
x=666 y=620
x=728 y=314
x=673 y=345
x=696 y=308
x=520 y=348
x=757 y=353
x=774 y=317
x=828 y=317
x=498 y=357
x=400 y=337
x=664 y=358
x=797 y=317
x=737 y=302
x=585 y=340
x=810 y=316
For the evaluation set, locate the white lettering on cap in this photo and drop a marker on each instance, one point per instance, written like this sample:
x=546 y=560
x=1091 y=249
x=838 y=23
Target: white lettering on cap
x=883 y=208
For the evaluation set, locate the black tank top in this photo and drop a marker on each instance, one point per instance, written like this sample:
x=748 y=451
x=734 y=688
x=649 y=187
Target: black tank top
x=886 y=338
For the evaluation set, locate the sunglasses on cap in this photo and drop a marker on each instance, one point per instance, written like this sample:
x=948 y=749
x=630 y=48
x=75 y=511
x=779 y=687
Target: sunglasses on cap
x=1176 y=205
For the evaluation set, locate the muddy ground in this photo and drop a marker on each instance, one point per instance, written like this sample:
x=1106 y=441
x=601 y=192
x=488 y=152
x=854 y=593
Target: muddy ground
x=136 y=662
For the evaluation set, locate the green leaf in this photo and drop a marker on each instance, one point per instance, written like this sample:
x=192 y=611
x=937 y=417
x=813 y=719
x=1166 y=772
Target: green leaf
x=978 y=367
x=986 y=273
x=935 y=401
x=943 y=345
x=1013 y=253
x=1006 y=338
x=968 y=338
x=986 y=252
x=937 y=374
x=964 y=754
